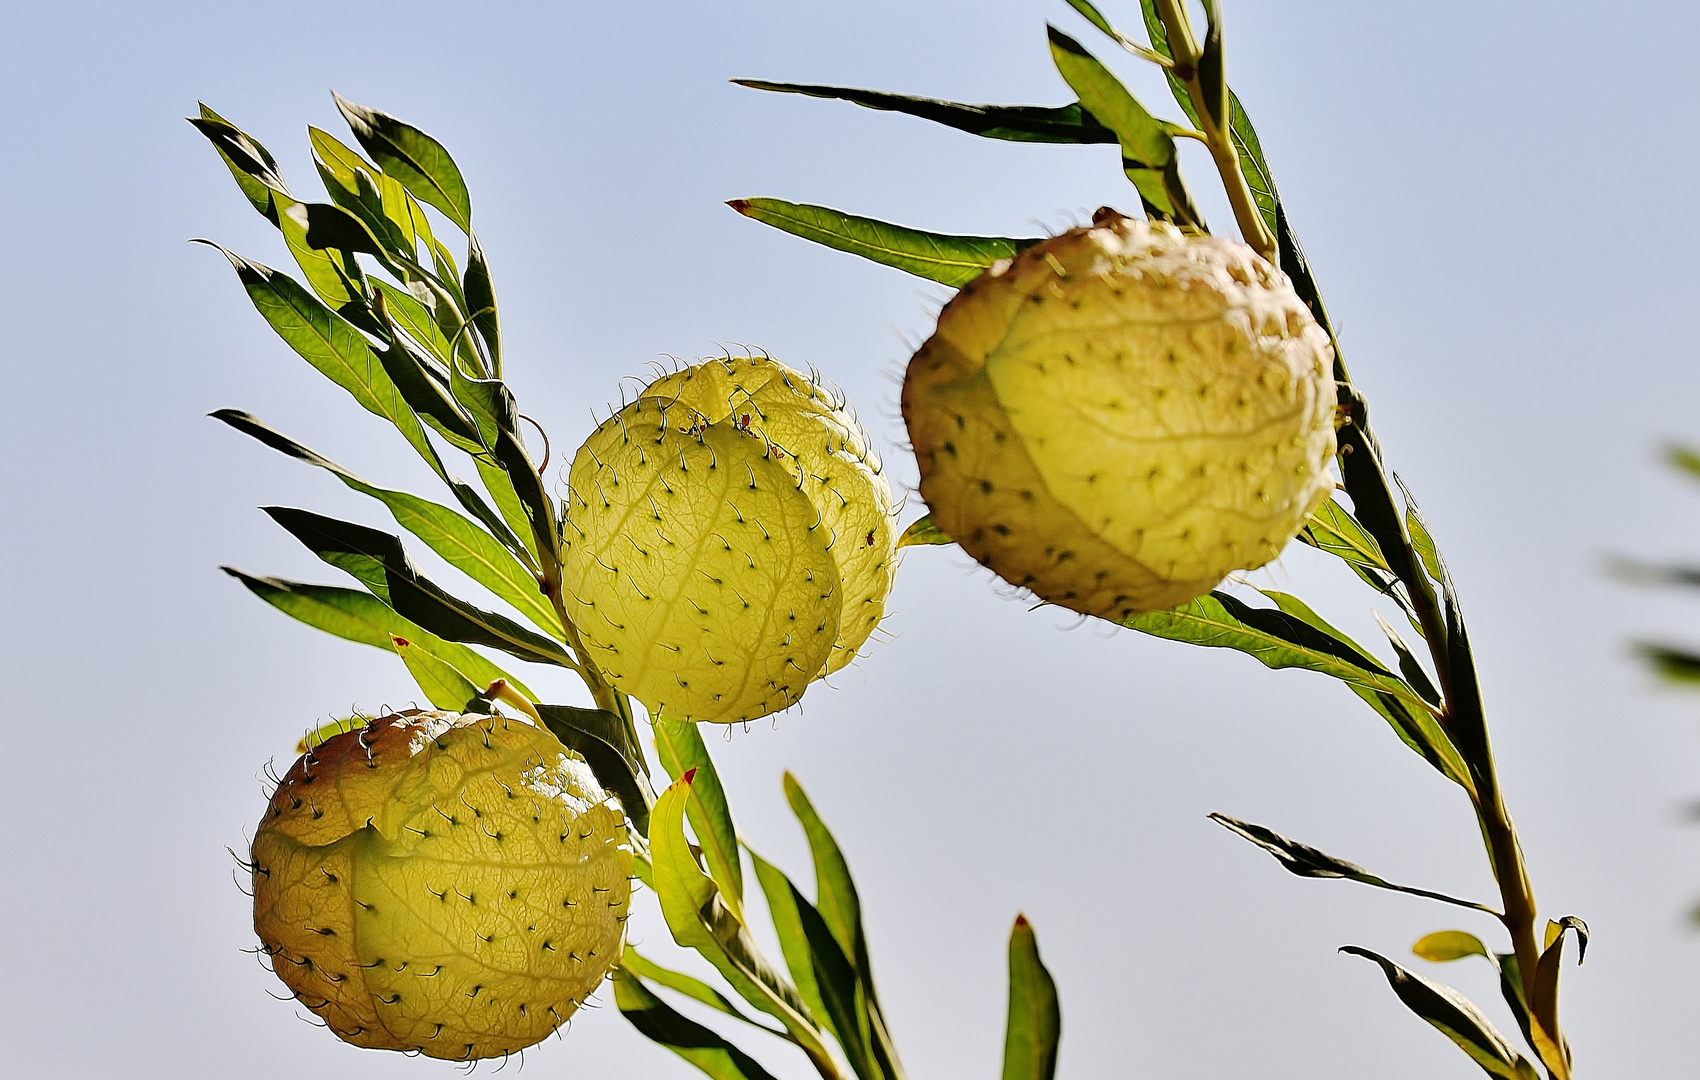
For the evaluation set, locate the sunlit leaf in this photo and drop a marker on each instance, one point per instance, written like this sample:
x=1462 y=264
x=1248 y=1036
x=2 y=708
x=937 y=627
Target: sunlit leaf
x=252 y=166
x=923 y=531
x=1455 y=1017
x=1443 y=946
x=949 y=260
x=444 y=686
x=377 y=560
x=413 y=157
x=359 y=616
x=461 y=543
x=695 y=989
x=681 y=749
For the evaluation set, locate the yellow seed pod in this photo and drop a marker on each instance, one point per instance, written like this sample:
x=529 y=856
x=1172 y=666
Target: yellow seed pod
x=1121 y=416
x=729 y=539
x=455 y=885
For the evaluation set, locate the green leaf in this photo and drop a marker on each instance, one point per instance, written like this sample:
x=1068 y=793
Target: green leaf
x=1553 y=1049
x=923 y=531
x=835 y=891
x=1095 y=17
x=600 y=738
x=327 y=341
x=1444 y=946
x=1677 y=665
x=1422 y=541
x=1409 y=665
x=1685 y=458
x=698 y=919
x=1013 y=123
x=378 y=561
x=359 y=616
x=680 y=746
x=417 y=320
x=641 y=966
x=949 y=260
x=1148 y=150
x=416 y=159
x=481 y=301
x=700 y=1046
x=1456 y=1018
x=252 y=166
x=460 y=542
x=444 y=686
x=1306 y=861
x=1334 y=530
x=782 y=906
x=1293 y=637
x=1035 y=1020
x=1258 y=176
x=508 y=474
x=334 y=278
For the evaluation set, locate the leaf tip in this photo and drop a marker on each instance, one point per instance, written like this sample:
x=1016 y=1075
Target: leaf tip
x=740 y=205
x=1021 y=922
x=689 y=776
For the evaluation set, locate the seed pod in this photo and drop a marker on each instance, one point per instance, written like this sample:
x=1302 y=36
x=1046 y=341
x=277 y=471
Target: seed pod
x=1121 y=416
x=451 y=884
x=729 y=539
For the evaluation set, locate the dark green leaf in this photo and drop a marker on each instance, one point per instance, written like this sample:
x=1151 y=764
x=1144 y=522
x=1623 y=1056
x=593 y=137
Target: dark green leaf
x=637 y=964
x=252 y=166
x=327 y=341
x=949 y=260
x=377 y=560
x=1035 y=1020
x=1258 y=176
x=1455 y=1017
x=698 y=1045
x=1443 y=946
x=681 y=749
x=600 y=738
x=1409 y=665
x=923 y=531
x=481 y=302
x=360 y=616
x=332 y=275
x=782 y=906
x=1013 y=123
x=1211 y=79
x=445 y=686
x=835 y=891
x=413 y=157
x=1306 y=861
x=1148 y=150
x=698 y=919
x=461 y=543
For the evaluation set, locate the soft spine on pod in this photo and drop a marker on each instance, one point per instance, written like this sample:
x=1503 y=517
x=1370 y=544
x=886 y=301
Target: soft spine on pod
x=455 y=885
x=729 y=538
x=1121 y=416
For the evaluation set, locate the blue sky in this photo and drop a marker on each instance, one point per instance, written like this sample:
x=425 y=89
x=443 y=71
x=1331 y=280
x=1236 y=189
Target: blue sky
x=1497 y=202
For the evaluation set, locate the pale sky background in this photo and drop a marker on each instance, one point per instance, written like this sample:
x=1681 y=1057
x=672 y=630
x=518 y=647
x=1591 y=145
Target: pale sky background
x=1498 y=203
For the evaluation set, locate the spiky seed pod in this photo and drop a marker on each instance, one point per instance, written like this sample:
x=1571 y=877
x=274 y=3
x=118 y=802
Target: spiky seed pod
x=1121 y=416
x=729 y=539
x=451 y=884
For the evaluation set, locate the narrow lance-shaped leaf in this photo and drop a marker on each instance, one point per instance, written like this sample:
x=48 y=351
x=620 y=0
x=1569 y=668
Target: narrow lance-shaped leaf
x=250 y=163
x=327 y=341
x=481 y=301
x=1456 y=1018
x=1012 y=123
x=443 y=685
x=1444 y=946
x=1552 y=1047
x=378 y=561
x=600 y=738
x=361 y=617
x=663 y=1024
x=681 y=748
x=461 y=543
x=1034 y=1023
x=1148 y=150
x=697 y=919
x=1283 y=639
x=643 y=967
x=1409 y=665
x=948 y=260
x=413 y=157
x=1306 y=861
x=812 y=954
